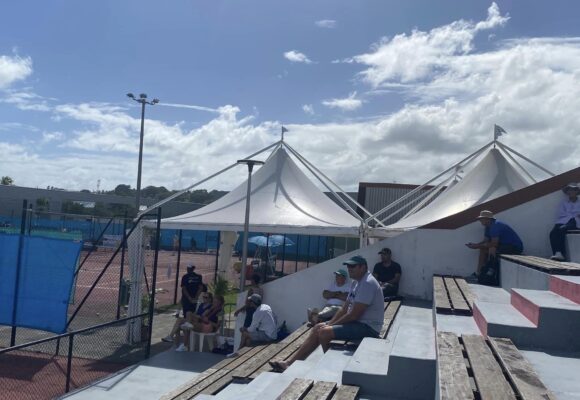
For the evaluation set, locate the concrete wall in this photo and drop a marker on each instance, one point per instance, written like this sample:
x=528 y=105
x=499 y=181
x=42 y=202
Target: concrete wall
x=421 y=253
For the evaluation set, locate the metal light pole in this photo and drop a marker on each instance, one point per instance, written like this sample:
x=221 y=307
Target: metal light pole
x=142 y=100
x=250 y=164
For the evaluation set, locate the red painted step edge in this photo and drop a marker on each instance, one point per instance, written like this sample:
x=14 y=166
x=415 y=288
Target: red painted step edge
x=479 y=320
x=530 y=310
x=567 y=289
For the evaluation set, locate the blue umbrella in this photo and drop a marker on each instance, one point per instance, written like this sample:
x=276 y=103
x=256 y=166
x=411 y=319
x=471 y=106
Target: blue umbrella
x=272 y=241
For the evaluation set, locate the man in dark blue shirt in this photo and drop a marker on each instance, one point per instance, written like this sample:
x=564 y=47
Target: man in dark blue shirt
x=191 y=286
x=499 y=238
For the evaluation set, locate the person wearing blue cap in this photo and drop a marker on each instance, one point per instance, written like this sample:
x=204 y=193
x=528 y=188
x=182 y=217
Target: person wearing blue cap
x=361 y=315
x=335 y=296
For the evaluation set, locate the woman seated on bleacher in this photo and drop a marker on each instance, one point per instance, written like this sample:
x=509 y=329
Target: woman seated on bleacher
x=186 y=324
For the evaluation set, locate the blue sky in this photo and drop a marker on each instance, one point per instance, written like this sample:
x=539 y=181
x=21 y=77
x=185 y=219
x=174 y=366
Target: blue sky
x=370 y=90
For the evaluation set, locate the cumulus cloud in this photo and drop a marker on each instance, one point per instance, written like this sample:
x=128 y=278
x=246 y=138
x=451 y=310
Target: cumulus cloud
x=308 y=109
x=420 y=55
x=26 y=100
x=349 y=103
x=13 y=69
x=326 y=23
x=297 y=57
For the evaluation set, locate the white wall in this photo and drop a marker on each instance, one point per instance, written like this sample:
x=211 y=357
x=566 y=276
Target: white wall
x=421 y=253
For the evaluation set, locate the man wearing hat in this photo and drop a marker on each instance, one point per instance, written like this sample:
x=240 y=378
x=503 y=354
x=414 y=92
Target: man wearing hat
x=568 y=217
x=335 y=295
x=361 y=315
x=388 y=273
x=499 y=238
x=264 y=327
x=191 y=287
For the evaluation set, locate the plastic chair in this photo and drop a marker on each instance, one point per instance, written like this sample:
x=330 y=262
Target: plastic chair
x=194 y=335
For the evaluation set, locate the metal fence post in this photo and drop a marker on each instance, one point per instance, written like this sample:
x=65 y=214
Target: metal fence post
x=177 y=266
x=69 y=362
x=308 y=252
x=18 y=265
x=217 y=255
x=153 y=283
x=123 y=243
x=297 y=251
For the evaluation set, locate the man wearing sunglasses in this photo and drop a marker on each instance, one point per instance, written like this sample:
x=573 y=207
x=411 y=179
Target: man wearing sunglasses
x=361 y=315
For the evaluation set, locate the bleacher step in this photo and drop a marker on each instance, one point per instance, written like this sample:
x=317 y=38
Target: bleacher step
x=567 y=286
x=501 y=320
x=329 y=368
x=543 y=306
x=238 y=391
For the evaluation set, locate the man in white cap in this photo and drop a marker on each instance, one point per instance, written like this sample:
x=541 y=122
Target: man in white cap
x=499 y=238
x=568 y=218
x=264 y=327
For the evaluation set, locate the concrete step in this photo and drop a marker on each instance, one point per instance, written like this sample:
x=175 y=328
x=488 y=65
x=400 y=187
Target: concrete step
x=329 y=368
x=502 y=320
x=567 y=286
x=299 y=369
x=382 y=367
x=573 y=247
x=544 y=307
x=274 y=388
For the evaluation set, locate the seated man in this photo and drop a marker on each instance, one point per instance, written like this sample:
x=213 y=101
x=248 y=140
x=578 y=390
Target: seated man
x=361 y=315
x=264 y=327
x=335 y=295
x=388 y=273
x=499 y=238
x=249 y=311
x=568 y=218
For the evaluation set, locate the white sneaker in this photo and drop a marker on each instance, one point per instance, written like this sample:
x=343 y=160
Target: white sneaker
x=167 y=339
x=558 y=256
x=186 y=325
x=181 y=348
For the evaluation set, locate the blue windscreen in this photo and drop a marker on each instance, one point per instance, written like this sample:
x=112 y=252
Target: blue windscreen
x=45 y=281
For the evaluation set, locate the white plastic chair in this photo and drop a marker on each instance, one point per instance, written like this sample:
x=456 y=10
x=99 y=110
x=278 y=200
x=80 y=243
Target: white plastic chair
x=194 y=335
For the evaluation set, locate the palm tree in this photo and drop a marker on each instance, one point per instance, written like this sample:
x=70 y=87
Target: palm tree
x=6 y=180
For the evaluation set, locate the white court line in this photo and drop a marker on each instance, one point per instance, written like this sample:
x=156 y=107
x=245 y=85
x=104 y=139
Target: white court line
x=117 y=286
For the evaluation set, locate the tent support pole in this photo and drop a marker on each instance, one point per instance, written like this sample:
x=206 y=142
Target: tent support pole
x=412 y=192
x=507 y=153
x=505 y=147
x=173 y=196
x=430 y=194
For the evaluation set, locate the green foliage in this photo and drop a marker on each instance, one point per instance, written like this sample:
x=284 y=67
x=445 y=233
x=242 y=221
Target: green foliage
x=6 y=180
x=220 y=287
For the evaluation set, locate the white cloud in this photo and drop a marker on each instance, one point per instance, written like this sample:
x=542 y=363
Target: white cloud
x=52 y=136
x=420 y=55
x=13 y=69
x=326 y=23
x=26 y=100
x=296 y=56
x=349 y=103
x=308 y=109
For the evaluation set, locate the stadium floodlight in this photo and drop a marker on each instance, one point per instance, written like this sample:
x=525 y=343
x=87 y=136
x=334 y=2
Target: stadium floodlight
x=143 y=101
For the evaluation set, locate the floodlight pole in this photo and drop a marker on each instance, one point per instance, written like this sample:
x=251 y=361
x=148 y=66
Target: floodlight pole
x=250 y=164
x=143 y=101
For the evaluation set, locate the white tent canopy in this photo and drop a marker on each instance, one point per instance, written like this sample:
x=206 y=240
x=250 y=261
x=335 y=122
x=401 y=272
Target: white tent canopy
x=492 y=177
x=282 y=200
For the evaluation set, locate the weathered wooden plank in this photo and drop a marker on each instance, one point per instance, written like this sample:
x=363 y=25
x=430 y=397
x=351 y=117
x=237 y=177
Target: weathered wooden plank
x=249 y=367
x=296 y=390
x=389 y=316
x=487 y=373
x=465 y=291
x=544 y=264
x=525 y=380
x=346 y=392
x=296 y=334
x=188 y=385
x=453 y=378
x=284 y=353
x=458 y=303
x=440 y=295
x=321 y=391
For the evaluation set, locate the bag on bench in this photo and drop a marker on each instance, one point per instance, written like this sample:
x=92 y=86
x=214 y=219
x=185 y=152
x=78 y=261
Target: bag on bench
x=489 y=274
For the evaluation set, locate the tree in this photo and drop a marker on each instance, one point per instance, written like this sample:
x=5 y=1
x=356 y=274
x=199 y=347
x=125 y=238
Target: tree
x=124 y=190
x=6 y=180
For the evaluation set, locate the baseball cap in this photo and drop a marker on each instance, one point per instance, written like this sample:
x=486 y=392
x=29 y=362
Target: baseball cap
x=356 y=260
x=385 y=250
x=256 y=299
x=341 y=272
x=191 y=267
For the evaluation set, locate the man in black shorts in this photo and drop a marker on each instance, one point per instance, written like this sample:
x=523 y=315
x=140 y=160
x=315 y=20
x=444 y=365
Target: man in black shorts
x=388 y=273
x=191 y=287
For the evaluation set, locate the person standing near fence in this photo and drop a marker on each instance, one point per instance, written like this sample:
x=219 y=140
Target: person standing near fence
x=191 y=287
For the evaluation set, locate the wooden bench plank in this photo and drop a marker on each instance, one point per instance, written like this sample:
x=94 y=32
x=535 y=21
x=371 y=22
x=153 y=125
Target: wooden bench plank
x=346 y=392
x=284 y=354
x=525 y=380
x=390 y=312
x=465 y=291
x=440 y=295
x=487 y=373
x=321 y=391
x=249 y=367
x=453 y=378
x=296 y=390
x=544 y=264
x=458 y=303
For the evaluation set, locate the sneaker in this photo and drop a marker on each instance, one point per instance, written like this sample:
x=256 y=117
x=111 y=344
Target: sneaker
x=186 y=325
x=167 y=339
x=558 y=256
x=181 y=348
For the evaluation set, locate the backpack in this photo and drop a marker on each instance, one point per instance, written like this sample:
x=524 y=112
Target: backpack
x=282 y=331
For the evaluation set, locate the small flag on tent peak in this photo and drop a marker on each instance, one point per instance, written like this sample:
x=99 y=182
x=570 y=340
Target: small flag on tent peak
x=283 y=130
x=498 y=131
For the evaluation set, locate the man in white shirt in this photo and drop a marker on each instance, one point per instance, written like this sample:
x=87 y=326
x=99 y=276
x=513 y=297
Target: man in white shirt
x=568 y=218
x=264 y=327
x=335 y=296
